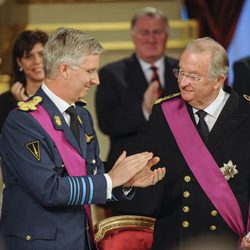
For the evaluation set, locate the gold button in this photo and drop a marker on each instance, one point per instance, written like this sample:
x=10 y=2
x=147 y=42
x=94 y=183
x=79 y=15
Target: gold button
x=93 y=161
x=185 y=209
x=187 y=178
x=185 y=223
x=214 y=212
x=28 y=237
x=212 y=228
x=186 y=194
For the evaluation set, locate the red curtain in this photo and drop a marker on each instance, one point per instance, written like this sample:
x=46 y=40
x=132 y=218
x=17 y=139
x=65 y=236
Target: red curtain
x=217 y=18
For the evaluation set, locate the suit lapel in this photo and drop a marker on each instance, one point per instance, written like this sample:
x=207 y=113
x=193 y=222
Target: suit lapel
x=227 y=123
x=58 y=120
x=136 y=76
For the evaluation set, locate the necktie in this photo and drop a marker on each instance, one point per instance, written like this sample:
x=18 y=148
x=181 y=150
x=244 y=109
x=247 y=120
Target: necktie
x=71 y=111
x=155 y=77
x=202 y=125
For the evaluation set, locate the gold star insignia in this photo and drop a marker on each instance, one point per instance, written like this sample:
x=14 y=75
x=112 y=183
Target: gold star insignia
x=229 y=170
x=34 y=148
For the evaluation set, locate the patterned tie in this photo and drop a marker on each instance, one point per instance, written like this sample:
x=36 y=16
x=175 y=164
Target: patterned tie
x=71 y=111
x=202 y=125
x=155 y=77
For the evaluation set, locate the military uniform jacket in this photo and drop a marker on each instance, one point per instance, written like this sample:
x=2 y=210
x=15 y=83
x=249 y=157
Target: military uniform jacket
x=42 y=205
x=184 y=209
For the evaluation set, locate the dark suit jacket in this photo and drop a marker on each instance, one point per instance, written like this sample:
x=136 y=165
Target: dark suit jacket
x=229 y=139
x=42 y=205
x=119 y=111
x=119 y=101
x=7 y=103
x=241 y=81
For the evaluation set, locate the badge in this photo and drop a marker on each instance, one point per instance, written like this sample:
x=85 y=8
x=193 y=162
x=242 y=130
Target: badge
x=58 y=120
x=229 y=170
x=89 y=138
x=34 y=148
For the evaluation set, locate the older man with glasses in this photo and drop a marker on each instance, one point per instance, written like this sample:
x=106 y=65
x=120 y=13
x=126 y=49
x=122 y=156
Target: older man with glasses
x=202 y=136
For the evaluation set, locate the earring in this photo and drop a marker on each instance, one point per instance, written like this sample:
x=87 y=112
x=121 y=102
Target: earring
x=20 y=69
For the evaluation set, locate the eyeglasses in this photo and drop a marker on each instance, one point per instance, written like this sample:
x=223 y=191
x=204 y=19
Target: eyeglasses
x=92 y=72
x=179 y=74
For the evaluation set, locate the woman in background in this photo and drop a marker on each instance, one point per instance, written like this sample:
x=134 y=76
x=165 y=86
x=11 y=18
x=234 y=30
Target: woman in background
x=27 y=70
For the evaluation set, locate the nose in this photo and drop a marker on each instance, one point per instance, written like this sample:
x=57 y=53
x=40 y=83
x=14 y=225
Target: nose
x=38 y=59
x=183 y=81
x=95 y=79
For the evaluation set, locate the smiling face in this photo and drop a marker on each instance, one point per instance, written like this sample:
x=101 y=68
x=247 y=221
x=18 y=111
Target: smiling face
x=81 y=78
x=198 y=93
x=32 y=64
x=149 y=36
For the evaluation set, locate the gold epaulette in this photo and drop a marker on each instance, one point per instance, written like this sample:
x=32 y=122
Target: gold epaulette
x=30 y=105
x=167 y=97
x=247 y=97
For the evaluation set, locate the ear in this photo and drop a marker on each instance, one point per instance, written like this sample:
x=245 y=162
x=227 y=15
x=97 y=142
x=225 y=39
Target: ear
x=219 y=82
x=64 y=70
x=19 y=62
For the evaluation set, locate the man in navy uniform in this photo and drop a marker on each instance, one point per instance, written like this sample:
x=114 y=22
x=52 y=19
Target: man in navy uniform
x=202 y=135
x=50 y=155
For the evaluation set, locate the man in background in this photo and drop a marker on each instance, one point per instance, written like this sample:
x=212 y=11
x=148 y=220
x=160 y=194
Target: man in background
x=128 y=90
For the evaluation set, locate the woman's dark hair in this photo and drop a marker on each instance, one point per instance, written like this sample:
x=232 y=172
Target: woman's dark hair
x=24 y=43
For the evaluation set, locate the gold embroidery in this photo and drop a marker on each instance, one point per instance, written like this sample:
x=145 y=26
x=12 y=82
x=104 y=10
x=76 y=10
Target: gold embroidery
x=167 y=97
x=89 y=138
x=30 y=105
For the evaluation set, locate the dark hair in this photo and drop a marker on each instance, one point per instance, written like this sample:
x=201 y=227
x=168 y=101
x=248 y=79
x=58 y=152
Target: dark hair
x=23 y=44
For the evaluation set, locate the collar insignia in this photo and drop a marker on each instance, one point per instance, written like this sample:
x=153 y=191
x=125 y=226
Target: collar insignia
x=229 y=170
x=34 y=148
x=30 y=105
x=58 y=120
x=88 y=138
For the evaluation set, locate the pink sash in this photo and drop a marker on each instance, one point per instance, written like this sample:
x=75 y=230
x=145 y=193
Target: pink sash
x=202 y=164
x=74 y=163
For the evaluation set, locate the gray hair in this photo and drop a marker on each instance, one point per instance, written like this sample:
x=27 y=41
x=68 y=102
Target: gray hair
x=219 y=63
x=69 y=46
x=150 y=12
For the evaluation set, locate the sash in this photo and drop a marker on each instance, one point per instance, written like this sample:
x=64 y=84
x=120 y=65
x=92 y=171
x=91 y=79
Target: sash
x=74 y=163
x=202 y=164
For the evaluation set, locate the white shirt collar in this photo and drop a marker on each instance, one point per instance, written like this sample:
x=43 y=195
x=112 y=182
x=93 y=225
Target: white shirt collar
x=217 y=105
x=60 y=103
x=160 y=64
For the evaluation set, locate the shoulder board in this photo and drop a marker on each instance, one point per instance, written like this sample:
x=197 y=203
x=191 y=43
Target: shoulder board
x=167 y=97
x=247 y=97
x=30 y=104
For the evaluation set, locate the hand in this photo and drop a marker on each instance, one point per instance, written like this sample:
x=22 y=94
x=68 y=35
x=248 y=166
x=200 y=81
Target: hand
x=146 y=177
x=127 y=167
x=150 y=96
x=18 y=91
x=245 y=243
